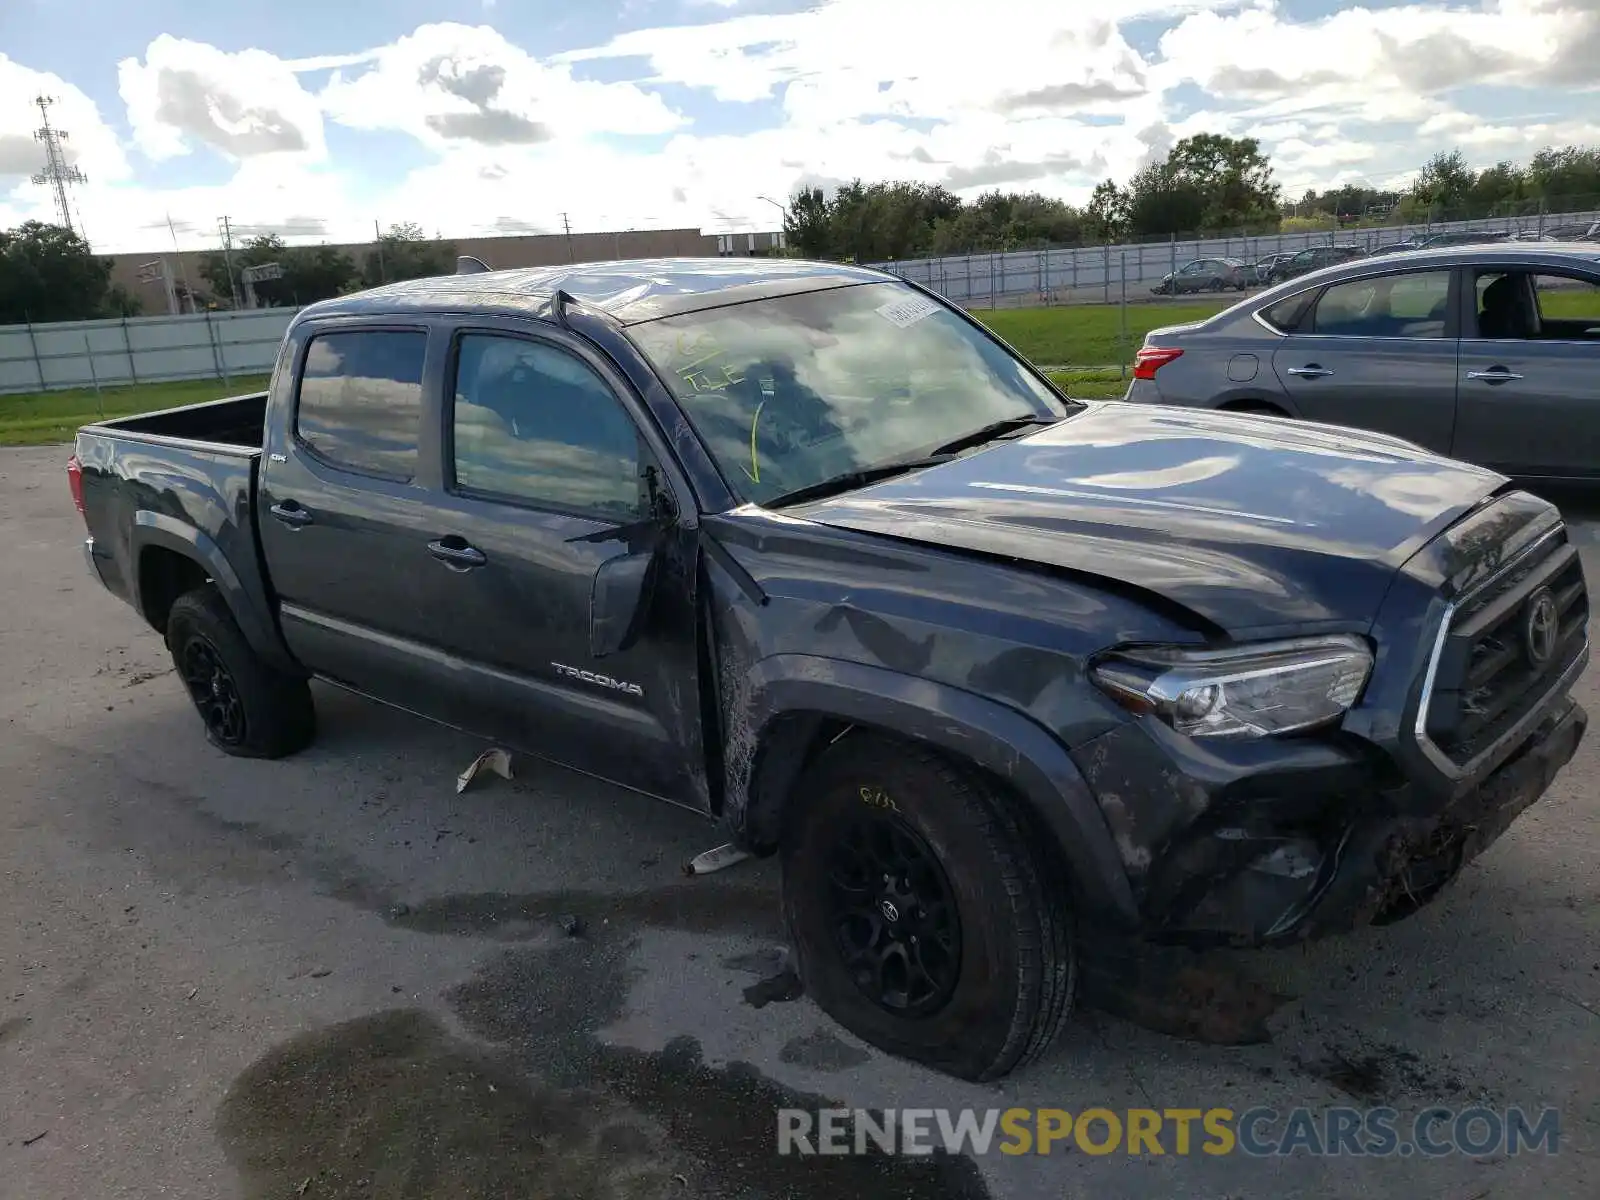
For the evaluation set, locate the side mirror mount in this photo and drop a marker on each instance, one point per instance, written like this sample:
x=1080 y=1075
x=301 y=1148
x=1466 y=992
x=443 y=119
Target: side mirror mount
x=619 y=600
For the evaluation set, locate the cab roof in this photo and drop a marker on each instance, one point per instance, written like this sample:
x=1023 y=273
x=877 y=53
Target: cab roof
x=631 y=291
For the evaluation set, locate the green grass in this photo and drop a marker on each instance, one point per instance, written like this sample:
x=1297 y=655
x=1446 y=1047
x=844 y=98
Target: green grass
x=40 y=418
x=1087 y=335
x=1092 y=385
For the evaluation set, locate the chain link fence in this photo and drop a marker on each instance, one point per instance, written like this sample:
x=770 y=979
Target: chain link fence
x=1128 y=271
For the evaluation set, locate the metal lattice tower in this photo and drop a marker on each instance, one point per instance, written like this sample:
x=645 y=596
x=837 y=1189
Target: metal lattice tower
x=56 y=172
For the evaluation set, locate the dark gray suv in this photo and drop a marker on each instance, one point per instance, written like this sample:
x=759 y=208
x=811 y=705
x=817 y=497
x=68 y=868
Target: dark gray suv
x=1485 y=353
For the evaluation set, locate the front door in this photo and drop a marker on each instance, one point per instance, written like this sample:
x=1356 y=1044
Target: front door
x=1378 y=353
x=548 y=476
x=1530 y=374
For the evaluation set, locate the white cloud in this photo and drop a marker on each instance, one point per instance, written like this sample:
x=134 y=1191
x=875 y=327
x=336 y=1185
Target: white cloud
x=452 y=84
x=1017 y=94
x=243 y=105
x=91 y=145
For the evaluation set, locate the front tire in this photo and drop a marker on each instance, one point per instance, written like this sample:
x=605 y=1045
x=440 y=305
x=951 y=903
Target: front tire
x=924 y=919
x=250 y=709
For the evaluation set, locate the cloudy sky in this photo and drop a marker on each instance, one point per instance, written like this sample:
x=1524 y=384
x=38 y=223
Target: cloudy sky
x=317 y=117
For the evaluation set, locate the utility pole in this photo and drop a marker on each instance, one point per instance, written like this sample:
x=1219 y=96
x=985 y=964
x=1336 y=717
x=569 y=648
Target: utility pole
x=383 y=273
x=183 y=270
x=56 y=173
x=227 y=257
x=567 y=225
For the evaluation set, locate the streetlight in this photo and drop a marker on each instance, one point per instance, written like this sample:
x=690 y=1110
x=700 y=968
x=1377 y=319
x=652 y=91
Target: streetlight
x=783 y=208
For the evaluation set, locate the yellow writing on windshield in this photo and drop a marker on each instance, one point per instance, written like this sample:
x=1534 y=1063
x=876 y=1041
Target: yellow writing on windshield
x=707 y=368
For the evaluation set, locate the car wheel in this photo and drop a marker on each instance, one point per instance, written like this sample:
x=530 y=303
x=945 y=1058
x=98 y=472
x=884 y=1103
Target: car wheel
x=1258 y=408
x=250 y=709
x=924 y=919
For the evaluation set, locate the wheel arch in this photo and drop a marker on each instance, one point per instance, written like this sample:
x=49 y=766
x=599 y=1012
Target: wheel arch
x=798 y=705
x=171 y=557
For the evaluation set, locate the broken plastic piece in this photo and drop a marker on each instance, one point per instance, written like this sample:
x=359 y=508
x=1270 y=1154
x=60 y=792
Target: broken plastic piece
x=497 y=760
x=726 y=855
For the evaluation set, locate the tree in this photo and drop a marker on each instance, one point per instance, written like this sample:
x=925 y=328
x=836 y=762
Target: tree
x=1445 y=181
x=808 y=223
x=1161 y=203
x=310 y=273
x=1108 y=211
x=405 y=252
x=47 y=273
x=1232 y=175
x=1565 y=177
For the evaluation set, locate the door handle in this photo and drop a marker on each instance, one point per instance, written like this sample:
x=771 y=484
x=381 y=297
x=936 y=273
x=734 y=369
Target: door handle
x=291 y=514
x=1311 y=371
x=1494 y=375
x=455 y=553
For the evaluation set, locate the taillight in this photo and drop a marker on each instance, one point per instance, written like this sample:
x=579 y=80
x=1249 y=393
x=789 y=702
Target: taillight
x=75 y=482
x=1151 y=359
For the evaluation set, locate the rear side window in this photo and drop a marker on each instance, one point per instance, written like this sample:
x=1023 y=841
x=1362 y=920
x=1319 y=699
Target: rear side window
x=361 y=400
x=1286 y=314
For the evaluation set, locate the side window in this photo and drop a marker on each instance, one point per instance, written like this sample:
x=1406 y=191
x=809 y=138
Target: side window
x=361 y=398
x=1569 y=306
x=535 y=423
x=1285 y=315
x=1409 y=305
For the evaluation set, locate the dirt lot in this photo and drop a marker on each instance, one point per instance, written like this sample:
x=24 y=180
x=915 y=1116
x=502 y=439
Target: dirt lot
x=334 y=977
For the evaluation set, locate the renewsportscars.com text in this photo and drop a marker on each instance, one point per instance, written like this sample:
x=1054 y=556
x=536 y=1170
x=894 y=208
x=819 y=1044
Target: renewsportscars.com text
x=1256 y=1132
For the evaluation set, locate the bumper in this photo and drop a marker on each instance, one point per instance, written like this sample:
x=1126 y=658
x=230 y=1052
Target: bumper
x=91 y=558
x=1299 y=841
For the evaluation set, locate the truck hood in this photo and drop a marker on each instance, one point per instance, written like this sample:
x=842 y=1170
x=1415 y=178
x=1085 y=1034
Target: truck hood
x=1247 y=521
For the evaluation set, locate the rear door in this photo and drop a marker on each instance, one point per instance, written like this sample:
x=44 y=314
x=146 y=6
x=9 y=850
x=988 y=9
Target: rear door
x=1378 y=352
x=342 y=505
x=548 y=469
x=1530 y=372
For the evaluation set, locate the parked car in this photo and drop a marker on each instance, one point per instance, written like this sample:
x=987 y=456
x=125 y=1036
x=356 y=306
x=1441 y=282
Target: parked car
x=1581 y=231
x=1205 y=275
x=1313 y=259
x=1461 y=237
x=999 y=676
x=1262 y=268
x=1487 y=353
x=1403 y=247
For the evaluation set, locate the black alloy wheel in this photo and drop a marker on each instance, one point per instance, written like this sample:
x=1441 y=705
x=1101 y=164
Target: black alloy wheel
x=214 y=692
x=894 y=915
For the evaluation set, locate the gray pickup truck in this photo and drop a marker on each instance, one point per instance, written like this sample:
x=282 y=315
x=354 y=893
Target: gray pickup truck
x=808 y=550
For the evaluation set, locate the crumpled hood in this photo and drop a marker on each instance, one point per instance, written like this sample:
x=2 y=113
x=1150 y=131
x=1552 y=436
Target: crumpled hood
x=1248 y=521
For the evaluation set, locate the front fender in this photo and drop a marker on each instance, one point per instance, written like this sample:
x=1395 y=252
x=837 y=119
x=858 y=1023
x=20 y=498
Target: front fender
x=247 y=601
x=964 y=725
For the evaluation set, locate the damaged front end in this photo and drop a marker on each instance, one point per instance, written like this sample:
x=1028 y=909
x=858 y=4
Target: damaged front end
x=1252 y=838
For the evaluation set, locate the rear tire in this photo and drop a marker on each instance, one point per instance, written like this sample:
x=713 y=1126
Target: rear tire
x=961 y=954
x=1258 y=408
x=249 y=709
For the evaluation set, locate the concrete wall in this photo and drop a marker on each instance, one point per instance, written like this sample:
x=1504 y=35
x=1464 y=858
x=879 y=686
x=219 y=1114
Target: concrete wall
x=71 y=354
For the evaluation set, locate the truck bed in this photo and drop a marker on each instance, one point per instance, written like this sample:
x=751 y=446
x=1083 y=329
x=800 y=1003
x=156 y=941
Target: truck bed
x=169 y=501
x=233 y=421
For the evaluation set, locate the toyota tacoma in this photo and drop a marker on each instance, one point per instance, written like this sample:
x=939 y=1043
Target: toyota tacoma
x=810 y=550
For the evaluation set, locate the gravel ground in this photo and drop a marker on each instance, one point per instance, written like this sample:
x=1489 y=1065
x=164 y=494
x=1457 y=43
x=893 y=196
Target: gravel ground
x=332 y=976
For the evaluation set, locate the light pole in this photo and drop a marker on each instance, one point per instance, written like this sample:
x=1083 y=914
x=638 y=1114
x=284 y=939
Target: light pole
x=783 y=208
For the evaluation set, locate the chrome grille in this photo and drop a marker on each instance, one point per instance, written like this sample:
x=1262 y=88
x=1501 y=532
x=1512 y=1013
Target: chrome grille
x=1508 y=642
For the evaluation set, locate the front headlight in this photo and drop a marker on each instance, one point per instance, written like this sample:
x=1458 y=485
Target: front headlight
x=1243 y=691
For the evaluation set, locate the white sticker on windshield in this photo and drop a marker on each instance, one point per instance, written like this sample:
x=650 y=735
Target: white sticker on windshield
x=909 y=311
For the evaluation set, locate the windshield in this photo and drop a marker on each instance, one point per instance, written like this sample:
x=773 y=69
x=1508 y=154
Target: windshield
x=791 y=392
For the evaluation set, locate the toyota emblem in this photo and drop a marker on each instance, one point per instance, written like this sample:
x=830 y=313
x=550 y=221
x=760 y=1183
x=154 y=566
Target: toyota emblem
x=1541 y=626
x=890 y=912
